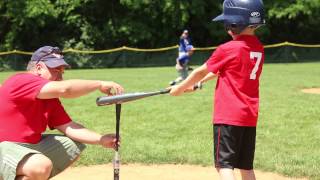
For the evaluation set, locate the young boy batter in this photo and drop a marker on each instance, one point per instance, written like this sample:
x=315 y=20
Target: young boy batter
x=238 y=65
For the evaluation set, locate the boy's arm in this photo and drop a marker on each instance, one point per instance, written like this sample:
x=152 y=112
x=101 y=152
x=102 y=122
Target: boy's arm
x=196 y=75
x=208 y=77
x=199 y=84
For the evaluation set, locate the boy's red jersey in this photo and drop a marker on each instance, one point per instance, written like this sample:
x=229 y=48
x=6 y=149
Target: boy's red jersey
x=238 y=64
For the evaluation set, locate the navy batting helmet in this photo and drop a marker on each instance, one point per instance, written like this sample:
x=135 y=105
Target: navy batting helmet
x=242 y=13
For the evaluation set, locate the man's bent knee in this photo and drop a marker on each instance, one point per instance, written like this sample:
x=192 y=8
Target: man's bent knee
x=35 y=166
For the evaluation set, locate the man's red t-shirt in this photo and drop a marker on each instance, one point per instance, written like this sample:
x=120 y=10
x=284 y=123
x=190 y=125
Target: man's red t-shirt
x=23 y=117
x=238 y=64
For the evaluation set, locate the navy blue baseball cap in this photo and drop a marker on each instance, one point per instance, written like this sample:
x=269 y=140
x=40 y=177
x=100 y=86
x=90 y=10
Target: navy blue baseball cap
x=51 y=56
x=240 y=12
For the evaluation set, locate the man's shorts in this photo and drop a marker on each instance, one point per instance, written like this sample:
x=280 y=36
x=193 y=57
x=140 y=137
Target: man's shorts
x=60 y=149
x=234 y=146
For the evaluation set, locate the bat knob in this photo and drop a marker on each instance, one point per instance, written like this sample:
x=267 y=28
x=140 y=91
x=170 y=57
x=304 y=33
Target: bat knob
x=197 y=86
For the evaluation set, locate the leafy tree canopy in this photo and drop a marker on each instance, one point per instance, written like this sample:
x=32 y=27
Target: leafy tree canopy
x=100 y=24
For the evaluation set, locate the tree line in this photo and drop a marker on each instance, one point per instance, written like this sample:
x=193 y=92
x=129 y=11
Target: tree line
x=104 y=24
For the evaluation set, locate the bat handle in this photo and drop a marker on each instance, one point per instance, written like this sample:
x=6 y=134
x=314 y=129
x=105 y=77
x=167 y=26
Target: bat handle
x=118 y=114
x=116 y=160
x=164 y=91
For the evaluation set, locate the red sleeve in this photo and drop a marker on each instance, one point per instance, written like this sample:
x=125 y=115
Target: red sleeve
x=25 y=86
x=56 y=114
x=219 y=58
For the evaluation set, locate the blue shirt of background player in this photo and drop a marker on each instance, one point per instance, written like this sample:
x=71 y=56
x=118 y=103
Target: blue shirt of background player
x=184 y=41
x=185 y=57
x=183 y=44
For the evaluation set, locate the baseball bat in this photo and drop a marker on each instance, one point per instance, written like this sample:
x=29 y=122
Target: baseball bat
x=116 y=159
x=122 y=98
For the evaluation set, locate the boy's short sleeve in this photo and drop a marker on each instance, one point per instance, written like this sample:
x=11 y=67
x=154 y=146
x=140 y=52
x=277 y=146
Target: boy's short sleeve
x=218 y=60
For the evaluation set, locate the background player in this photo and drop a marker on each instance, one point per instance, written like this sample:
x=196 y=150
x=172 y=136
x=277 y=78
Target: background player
x=182 y=65
x=185 y=51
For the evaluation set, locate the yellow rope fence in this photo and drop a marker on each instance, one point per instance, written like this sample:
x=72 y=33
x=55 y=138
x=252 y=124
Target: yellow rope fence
x=157 y=49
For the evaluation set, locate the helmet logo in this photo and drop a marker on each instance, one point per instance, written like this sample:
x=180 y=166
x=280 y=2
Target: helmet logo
x=255 y=14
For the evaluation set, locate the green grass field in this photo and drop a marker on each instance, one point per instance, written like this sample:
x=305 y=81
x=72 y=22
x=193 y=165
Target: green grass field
x=164 y=129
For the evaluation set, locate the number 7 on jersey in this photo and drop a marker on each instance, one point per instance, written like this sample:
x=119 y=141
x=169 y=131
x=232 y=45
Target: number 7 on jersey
x=258 y=57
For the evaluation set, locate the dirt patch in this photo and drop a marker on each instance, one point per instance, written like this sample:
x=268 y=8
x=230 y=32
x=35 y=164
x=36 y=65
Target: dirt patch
x=312 y=90
x=154 y=172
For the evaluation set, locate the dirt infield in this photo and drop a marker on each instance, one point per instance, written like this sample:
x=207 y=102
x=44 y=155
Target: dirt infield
x=312 y=90
x=154 y=172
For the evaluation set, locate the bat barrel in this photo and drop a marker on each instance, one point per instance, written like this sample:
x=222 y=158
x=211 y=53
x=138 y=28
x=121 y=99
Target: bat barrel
x=122 y=98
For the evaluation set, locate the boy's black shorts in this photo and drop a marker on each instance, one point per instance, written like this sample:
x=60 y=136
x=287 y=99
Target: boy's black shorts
x=234 y=146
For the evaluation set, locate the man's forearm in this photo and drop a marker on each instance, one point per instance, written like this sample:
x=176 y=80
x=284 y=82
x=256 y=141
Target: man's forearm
x=76 y=88
x=68 y=88
x=79 y=133
x=84 y=136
